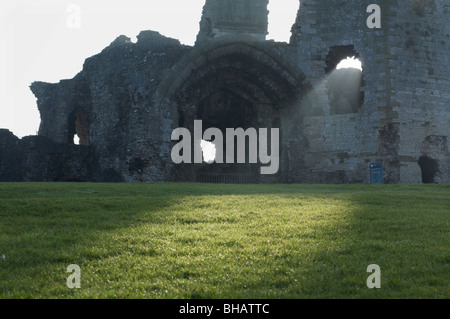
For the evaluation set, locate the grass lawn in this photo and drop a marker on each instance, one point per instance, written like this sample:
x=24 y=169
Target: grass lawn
x=224 y=241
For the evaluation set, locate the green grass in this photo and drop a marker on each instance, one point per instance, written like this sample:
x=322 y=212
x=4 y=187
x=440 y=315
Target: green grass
x=224 y=241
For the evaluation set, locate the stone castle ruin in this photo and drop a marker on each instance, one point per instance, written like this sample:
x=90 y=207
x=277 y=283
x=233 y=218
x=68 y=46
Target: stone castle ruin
x=334 y=124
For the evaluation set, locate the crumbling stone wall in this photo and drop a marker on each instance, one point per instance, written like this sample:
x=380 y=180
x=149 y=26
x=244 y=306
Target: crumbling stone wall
x=37 y=158
x=420 y=91
x=115 y=90
x=405 y=85
x=233 y=17
x=128 y=99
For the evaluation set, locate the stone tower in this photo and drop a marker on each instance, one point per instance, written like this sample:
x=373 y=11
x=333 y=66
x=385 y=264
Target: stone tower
x=224 y=17
x=404 y=118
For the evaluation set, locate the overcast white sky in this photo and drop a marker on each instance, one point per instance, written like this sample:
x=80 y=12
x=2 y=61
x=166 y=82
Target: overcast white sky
x=37 y=43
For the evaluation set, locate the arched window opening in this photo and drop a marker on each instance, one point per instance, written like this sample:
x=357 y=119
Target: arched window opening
x=345 y=80
x=79 y=128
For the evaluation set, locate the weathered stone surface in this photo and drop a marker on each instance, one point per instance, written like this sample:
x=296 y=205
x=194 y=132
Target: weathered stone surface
x=36 y=158
x=128 y=99
x=233 y=17
x=406 y=87
x=10 y=168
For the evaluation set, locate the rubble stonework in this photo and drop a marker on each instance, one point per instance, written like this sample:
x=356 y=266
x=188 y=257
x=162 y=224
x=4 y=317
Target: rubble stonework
x=128 y=99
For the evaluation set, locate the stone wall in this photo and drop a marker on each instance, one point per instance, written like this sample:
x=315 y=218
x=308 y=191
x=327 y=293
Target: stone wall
x=419 y=49
x=405 y=86
x=128 y=99
x=233 y=17
x=37 y=158
x=115 y=90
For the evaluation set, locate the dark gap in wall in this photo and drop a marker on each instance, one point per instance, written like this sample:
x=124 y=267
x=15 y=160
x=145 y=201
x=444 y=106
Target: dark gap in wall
x=429 y=169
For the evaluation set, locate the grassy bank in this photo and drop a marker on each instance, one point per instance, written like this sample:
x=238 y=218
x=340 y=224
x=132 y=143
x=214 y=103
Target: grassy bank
x=224 y=241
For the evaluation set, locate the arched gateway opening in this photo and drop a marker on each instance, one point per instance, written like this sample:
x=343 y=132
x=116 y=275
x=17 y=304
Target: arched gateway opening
x=233 y=82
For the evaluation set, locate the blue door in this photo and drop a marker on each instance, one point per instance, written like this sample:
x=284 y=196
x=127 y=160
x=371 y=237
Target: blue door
x=376 y=173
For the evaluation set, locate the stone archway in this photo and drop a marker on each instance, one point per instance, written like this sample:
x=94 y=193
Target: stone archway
x=233 y=82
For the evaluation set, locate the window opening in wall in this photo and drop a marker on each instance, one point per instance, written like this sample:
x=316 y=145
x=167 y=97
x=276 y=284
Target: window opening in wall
x=76 y=139
x=350 y=63
x=345 y=80
x=79 y=128
x=429 y=169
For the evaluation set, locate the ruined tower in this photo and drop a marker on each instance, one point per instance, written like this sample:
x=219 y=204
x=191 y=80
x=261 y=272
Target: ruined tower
x=405 y=112
x=334 y=123
x=233 y=17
